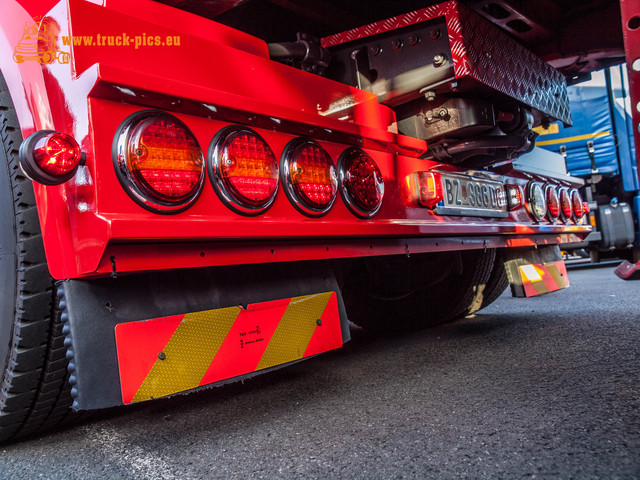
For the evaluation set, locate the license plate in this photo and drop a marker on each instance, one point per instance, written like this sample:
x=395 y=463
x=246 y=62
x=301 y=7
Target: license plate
x=471 y=196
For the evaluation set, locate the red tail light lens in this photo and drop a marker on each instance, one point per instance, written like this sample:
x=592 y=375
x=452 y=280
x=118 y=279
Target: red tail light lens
x=577 y=205
x=361 y=183
x=553 y=203
x=565 y=205
x=243 y=170
x=309 y=176
x=159 y=162
x=49 y=157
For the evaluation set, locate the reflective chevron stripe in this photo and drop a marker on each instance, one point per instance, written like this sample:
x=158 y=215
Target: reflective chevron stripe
x=163 y=356
x=536 y=279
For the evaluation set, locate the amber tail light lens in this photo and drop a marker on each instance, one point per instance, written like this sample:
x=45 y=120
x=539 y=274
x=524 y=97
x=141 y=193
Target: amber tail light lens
x=243 y=170
x=429 y=188
x=361 y=183
x=49 y=157
x=159 y=162
x=309 y=177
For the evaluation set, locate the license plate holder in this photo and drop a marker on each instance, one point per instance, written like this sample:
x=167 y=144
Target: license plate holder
x=466 y=195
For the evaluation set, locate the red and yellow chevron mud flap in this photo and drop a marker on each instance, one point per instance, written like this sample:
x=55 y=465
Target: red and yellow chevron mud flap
x=163 y=356
x=532 y=279
x=628 y=271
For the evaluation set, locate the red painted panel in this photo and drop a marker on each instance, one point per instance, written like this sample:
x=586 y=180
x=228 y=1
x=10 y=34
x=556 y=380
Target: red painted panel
x=90 y=219
x=327 y=336
x=139 y=344
x=631 y=31
x=246 y=342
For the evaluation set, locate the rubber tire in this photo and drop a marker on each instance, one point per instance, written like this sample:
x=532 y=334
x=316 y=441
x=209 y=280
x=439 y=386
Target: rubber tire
x=407 y=293
x=34 y=392
x=497 y=282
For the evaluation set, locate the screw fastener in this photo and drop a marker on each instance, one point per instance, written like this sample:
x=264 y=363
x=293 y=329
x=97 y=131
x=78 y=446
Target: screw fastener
x=439 y=60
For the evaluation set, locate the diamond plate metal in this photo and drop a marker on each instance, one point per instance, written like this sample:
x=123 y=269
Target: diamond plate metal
x=485 y=53
x=496 y=60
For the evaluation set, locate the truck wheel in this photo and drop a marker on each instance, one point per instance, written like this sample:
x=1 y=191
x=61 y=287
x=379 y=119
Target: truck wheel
x=34 y=392
x=406 y=293
x=497 y=282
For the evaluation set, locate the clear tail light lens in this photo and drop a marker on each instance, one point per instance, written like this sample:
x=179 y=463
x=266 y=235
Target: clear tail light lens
x=309 y=177
x=553 y=203
x=535 y=201
x=515 y=198
x=159 y=162
x=361 y=183
x=243 y=170
x=566 y=211
x=50 y=158
x=577 y=204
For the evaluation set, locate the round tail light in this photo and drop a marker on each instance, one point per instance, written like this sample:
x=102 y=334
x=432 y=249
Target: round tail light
x=243 y=170
x=49 y=157
x=361 y=183
x=577 y=204
x=309 y=177
x=565 y=205
x=535 y=201
x=159 y=162
x=553 y=203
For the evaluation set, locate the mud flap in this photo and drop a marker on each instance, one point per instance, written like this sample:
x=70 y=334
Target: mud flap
x=154 y=334
x=536 y=272
x=628 y=271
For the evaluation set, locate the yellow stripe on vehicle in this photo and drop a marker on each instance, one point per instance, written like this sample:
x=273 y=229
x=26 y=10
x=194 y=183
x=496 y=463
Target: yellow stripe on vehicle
x=588 y=136
x=295 y=330
x=553 y=128
x=553 y=270
x=186 y=357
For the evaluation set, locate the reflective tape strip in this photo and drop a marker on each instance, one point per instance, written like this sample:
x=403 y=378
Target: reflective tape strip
x=162 y=356
x=188 y=354
x=296 y=328
x=543 y=278
x=588 y=136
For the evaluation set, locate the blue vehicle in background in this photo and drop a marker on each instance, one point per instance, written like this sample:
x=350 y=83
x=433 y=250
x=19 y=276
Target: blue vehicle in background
x=599 y=148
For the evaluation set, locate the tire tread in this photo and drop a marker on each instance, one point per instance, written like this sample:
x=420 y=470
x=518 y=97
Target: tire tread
x=34 y=390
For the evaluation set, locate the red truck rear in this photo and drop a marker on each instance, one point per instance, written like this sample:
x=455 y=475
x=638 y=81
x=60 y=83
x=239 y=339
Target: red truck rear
x=195 y=195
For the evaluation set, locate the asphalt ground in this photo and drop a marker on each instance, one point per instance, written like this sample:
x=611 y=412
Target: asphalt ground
x=547 y=387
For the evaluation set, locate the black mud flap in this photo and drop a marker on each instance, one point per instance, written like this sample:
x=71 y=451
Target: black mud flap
x=536 y=272
x=153 y=334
